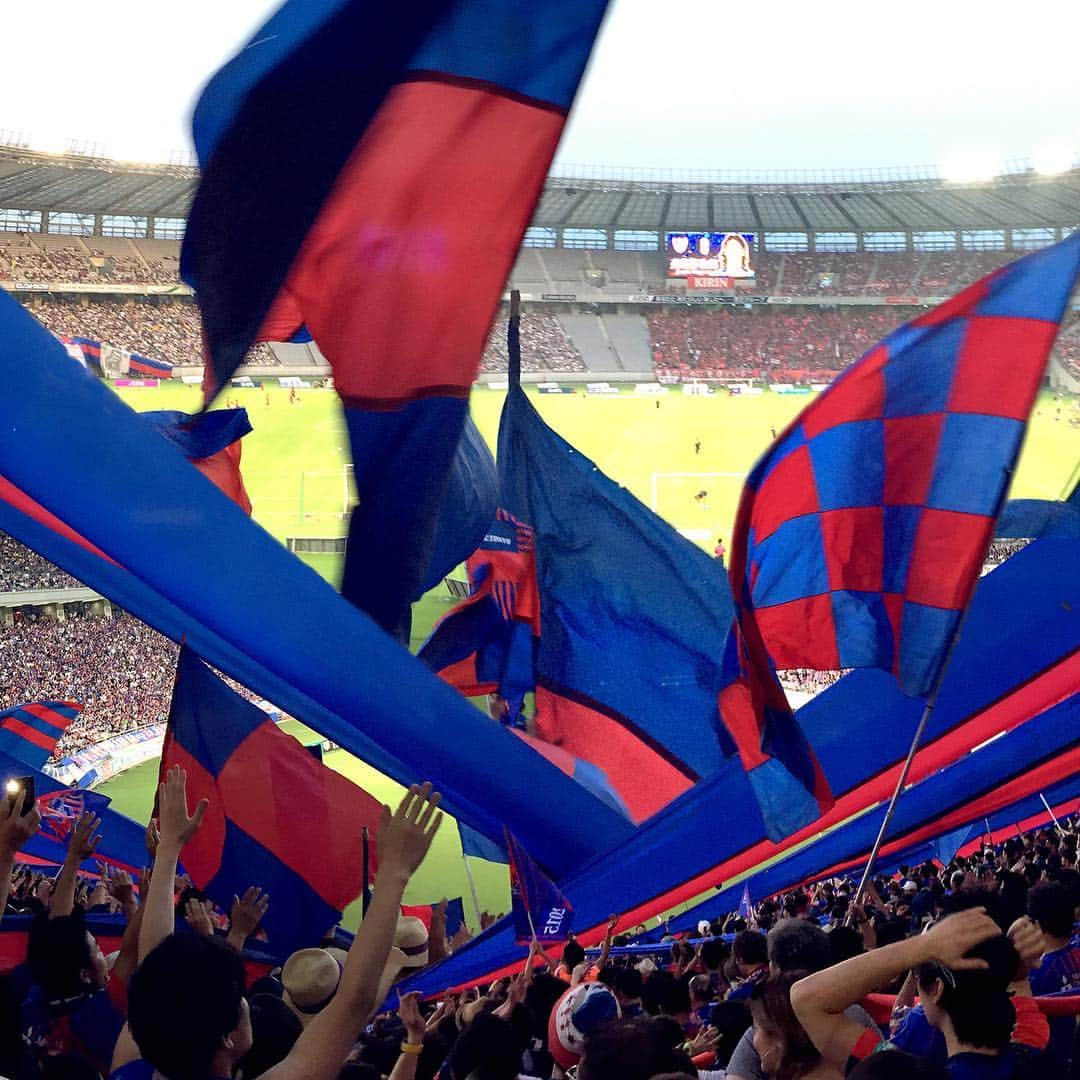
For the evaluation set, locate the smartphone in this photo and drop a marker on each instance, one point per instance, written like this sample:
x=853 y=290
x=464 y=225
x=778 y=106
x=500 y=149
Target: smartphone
x=17 y=784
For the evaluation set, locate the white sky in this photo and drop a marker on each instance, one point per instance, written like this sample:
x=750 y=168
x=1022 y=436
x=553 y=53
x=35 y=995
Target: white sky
x=682 y=84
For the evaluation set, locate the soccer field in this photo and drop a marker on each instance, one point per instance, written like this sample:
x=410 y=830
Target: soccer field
x=295 y=469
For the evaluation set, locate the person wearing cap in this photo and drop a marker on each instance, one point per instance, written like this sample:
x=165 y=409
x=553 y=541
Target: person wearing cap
x=187 y=1015
x=580 y=1012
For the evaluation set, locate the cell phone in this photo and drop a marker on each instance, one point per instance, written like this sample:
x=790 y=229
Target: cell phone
x=17 y=784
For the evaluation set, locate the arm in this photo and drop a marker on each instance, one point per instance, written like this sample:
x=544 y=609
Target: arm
x=820 y=999
x=16 y=829
x=605 y=949
x=123 y=889
x=437 y=947
x=248 y=911
x=176 y=829
x=82 y=845
x=413 y=1046
x=404 y=840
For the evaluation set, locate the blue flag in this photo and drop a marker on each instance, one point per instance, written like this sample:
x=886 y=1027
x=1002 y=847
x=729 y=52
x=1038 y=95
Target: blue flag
x=746 y=907
x=539 y=909
x=480 y=847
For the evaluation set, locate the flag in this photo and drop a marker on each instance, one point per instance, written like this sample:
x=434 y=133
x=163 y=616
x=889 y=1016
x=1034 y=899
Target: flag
x=90 y=349
x=211 y=442
x=861 y=532
x=401 y=151
x=539 y=910
x=61 y=810
x=122 y=510
x=480 y=847
x=277 y=818
x=455 y=914
x=746 y=907
x=147 y=368
x=29 y=732
x=617 y=621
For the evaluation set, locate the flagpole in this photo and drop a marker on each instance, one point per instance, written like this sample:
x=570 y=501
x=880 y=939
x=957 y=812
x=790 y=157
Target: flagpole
x=989 y=831
x=931 y=702
x=1061 y=831
x=901 y=780
x=366 y=858
x=513 y=339
x=472 y=891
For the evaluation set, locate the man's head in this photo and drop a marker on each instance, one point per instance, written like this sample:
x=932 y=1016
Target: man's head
x=572 y=955
x=750 y=951
x=798 y=945
x=628 y=985
x=632 y=1050
x=310 y=980
x=64 y=957
x=186 y=1008
x=1051 y=906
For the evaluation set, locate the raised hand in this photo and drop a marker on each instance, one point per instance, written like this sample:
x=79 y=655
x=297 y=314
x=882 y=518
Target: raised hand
x=175 y=824
x=85 y=839
x=153 y=838
x=1029 y=942
x=197 y=913
x=409 y=1013
x=248 y=911
x=950 y=940
x=405 y=836
x=16 y=828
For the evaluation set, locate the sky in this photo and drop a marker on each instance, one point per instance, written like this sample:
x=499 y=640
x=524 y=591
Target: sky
x=674 y=84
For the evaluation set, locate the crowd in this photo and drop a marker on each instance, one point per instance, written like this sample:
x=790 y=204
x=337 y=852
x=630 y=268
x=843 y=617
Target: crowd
x=79 y=262
x=118 y=668
x=544 y=346
x=783 y=991
x=778 y=345
x=163 y=329
x=21 y=568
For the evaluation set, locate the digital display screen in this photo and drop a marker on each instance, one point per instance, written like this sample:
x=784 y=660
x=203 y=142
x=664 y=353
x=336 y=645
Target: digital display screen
x=705 y=255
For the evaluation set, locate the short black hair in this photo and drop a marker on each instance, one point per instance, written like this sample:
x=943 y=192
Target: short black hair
x=750 y=947
x=274 y=1030
x=731 y=1019
x=572 y=954
x=57 y=953
x=629 y=983
x=1051 y=906
x=184 y=998
x=632 y=1050
x=714 y=953
x=798 y=945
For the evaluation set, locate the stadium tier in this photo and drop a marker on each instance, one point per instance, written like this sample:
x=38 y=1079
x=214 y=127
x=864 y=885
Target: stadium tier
x=609 y=267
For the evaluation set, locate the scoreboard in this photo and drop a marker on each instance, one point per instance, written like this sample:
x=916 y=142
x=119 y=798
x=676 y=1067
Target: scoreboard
x=710 y=255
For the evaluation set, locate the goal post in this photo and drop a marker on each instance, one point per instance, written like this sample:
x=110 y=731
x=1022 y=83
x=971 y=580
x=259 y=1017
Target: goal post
x=693 y=502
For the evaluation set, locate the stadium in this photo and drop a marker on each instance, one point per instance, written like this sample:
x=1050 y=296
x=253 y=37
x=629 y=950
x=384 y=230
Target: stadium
x=674 y=329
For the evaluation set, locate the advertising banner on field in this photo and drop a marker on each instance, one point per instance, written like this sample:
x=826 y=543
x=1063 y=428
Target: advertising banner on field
x=145 y=383
x=553 y=388
x=601 y=388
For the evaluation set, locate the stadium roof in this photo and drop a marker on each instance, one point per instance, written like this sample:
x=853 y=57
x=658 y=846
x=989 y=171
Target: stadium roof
x=895 y=200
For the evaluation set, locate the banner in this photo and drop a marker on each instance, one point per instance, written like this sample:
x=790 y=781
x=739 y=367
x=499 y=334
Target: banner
x=714 y=283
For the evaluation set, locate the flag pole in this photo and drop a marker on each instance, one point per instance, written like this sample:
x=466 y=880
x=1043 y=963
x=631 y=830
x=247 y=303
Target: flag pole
x=472 y=891
x=1042 y=797
x=513 y=339
x=989 y=831
x=366 y=858
x=931 y=701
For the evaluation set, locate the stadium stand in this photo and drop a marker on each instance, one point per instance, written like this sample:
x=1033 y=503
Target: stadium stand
x=544 y=346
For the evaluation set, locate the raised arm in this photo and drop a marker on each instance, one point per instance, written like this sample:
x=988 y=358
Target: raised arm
x=16 y=829
x=176 y=827
x=605 y=949
x=81 y=846
x=404 y=840
x=820 y=999
x=248 y=911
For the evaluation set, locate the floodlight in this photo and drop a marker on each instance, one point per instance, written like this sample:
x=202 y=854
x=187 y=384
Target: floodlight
x=970 y=166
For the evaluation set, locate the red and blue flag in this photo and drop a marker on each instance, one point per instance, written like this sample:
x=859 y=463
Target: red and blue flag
x=539 y=909
x=149 y=368
x=400 y=151
x=29 y=731
x=90 y=349
x=61 y=810
x=277 y=817
x=861 y=533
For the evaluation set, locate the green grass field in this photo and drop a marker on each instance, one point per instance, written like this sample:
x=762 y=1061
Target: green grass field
x=295 y=470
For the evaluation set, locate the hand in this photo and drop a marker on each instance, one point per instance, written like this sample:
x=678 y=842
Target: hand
x=121 y=887
x=197 y=913
x=705 y=1039
x=248 y=911
x=461 y=935
x=177 y=827
x=949 y=941
x=406 y=835
x=613 y=921
x=153 y=838
x=85 y=839
x=16 y=828
x=98 y=895
x=487 y=919
x=409 y=1013
x=1030 y=944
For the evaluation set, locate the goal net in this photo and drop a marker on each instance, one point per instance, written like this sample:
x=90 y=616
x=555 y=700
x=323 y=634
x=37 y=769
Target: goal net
x=696 y=503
